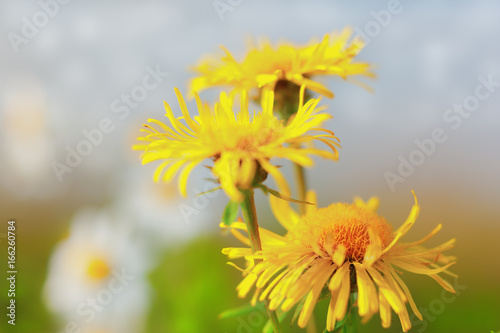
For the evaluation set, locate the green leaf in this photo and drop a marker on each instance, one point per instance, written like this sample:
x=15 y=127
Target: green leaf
x=267 y=190
x=263 y=188
x=230 y=212
x=243 y=310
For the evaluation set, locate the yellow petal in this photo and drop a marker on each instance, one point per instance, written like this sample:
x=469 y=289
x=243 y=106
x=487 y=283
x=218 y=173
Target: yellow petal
x=385 y=311
x=408 y=294
x=191 y=123
x=283 y=212
x=366 y=291
x=183 y=177
x=278 y=177
x=319 y=282
x=339 y=255
x=336 y=280
x=343 y=299
x=330 y=318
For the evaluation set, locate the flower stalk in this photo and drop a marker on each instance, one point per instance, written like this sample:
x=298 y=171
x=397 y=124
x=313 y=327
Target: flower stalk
x=289 y=98
x=352 y=318
x=250 y=217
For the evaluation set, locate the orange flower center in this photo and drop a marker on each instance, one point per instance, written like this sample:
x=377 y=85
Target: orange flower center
x=345 y=226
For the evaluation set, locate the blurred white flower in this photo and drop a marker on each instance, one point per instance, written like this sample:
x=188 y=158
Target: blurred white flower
x=160 y=214
x=26 y=146
x=97 y=275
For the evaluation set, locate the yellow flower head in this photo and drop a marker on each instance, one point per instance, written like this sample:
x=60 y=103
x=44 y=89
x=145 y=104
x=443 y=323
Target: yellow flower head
x=269 y=68
x=337 y=250
x=240 y=145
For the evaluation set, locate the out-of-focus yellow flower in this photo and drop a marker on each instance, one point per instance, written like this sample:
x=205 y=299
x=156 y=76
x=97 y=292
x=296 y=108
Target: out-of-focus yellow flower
x=241 y=146
x=269 y=67
x=337 y=250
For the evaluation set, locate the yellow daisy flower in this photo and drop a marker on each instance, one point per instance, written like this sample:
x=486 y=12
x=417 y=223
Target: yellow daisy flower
x=240 y=146
x=271 y=68
x=337 y=250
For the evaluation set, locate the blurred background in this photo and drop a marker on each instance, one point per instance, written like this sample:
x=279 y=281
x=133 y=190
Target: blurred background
x=80 y=77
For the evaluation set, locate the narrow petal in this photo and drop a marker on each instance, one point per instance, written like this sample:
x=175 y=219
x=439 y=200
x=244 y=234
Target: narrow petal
x=385 y=311
x=313 y=295
x=408 y=294
x=183 y=177
x=343 y=299
x=367 y=292
x=330 y=318
x=419 y=268
x=185 y=113
x=336 y=280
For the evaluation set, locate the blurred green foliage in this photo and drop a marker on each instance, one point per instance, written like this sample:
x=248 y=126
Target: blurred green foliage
x=192 y=286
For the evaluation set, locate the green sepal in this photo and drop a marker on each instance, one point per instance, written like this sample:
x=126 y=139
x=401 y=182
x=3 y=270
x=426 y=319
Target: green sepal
x=209 y=191
x=325 y=293
x=267 y=190
x=268 y=327
x=296 y=314
x=338 y=326
x=212 y=180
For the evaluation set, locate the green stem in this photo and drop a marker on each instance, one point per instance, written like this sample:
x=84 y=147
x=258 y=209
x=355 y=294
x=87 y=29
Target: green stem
x=352 y=322
x=274 y=318
x=286 y=104
x=301 y=186
x=250 y=217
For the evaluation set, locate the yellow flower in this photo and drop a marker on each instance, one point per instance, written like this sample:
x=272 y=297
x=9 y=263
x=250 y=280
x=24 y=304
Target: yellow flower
x=240 y=146
x=268 y=67
x=327 y=249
